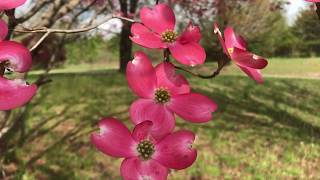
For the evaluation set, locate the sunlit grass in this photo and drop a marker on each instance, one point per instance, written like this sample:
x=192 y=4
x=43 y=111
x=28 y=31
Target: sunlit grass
x=277 y=67
x=268 y=131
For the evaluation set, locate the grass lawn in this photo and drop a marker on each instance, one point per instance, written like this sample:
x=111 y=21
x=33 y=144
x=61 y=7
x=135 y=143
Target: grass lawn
x=278 y=67
x=268 y=131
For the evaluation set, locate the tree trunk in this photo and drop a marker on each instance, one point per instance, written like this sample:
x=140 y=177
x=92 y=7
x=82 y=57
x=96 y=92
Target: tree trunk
x=318 y=9
x=125 y=42
x=125 y=46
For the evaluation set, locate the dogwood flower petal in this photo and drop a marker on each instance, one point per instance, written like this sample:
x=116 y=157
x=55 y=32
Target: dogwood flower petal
x=220 y=37
x=175 y=150
x=254 y=74
x=147 y=109
x=247 y=59
x=167 y=77
x=233 y=40
x=15 y=93
x=18 y=56
x=10 y=4
x=114 y=139
x=135 y=169
x=145 y=37
x=143 y=131
x=158 y=19
x=193 y=107
x=3 y=30
x=141 y=76
x=190 y=54
x=191 y=34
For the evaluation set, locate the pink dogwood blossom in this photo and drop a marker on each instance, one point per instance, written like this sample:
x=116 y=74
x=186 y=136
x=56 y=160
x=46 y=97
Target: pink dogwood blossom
x=10 y=4
x=162 y=93
x=236 y=48
x=313 y=1
x=14 y=93
x=145 y=157
x=157 y=31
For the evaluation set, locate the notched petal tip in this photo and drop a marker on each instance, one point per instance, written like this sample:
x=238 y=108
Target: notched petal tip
x=114 y=139
x=159 y=18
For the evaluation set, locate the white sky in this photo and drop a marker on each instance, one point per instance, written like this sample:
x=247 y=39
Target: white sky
x=294 y=8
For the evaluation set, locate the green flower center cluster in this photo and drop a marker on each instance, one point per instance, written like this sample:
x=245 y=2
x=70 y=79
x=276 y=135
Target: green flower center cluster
x=145 y=149
x=162 y=96
x=169 y=36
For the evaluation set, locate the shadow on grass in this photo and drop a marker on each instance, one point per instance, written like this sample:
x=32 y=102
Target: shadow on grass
x=283 y=109
x=280 y=111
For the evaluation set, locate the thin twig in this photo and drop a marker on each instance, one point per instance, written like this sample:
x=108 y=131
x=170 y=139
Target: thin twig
x=40 y=40
x=49 y=31
x=71 y=31
x=211 y=76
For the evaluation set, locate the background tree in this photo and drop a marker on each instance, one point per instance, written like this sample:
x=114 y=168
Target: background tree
x=307 y=28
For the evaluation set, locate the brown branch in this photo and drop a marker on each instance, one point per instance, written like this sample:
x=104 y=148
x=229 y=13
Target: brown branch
x=70 y=31
x=214 y=74
x=49 y=31
x=318 y=9
x=2 y=68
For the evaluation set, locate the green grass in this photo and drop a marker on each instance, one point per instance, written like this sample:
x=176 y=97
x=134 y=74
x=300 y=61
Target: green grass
x=277 y=67
x=268 y=131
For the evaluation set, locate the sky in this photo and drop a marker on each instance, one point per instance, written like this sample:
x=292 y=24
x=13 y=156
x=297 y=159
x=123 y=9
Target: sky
x=294 y=8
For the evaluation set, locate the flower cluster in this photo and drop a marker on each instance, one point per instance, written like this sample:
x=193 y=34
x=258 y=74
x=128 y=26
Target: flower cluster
x=235 y=47
x=17 y=58
x=154 y=147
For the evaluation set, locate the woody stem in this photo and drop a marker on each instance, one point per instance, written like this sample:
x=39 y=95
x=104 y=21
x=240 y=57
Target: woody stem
x=318 y=9
x=214 y=74
x=166 y=55
x=2 y=68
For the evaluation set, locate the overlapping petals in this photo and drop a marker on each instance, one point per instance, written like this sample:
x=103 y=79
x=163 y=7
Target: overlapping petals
x=134 y=168
x=14 y=93
x=162 y=118
x=236 y=48
x=192 y=107
x=10 y=4
x=170 y=151
x=158 y=21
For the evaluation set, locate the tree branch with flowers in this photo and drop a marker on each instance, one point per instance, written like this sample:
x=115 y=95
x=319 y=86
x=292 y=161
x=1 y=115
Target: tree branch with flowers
x=153 y=147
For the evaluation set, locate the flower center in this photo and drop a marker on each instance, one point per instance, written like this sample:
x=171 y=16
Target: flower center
x=145 y=149
x=230 y=50
x=169 y=36
x=162 y=96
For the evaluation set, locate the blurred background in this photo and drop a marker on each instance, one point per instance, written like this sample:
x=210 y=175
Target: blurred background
x=268 y=131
